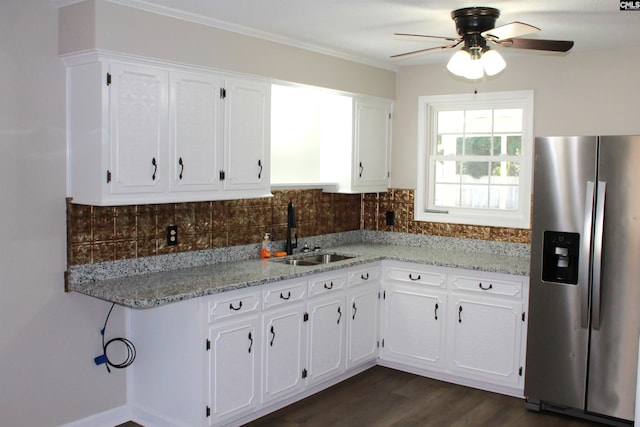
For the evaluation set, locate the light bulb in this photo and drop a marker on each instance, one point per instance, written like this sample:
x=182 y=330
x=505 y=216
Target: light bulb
x=459 y=62
x=492 y=62
x=474 y=70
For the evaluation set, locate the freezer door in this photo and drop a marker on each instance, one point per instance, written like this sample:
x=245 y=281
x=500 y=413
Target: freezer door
x=616 y=302
x=557 y=336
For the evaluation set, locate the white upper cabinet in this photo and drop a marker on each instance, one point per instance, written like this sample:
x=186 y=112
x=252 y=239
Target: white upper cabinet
x=196 y=119
x=371 y=147
x=247 y=135
x=143 y=131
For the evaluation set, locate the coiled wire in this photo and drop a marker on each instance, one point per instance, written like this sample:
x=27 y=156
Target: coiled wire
x=131 y=349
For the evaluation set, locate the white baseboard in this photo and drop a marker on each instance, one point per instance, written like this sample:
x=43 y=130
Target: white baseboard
x=110 y=418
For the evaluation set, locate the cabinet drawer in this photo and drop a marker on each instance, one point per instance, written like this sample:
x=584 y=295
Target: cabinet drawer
x=497 y=286
x=233 y=305
x=417 y=275
x=326 y=283
x=363 y=275
x=284 y=294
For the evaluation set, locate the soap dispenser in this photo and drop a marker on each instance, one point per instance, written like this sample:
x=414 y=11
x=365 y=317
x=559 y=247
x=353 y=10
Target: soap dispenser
x=266 y=246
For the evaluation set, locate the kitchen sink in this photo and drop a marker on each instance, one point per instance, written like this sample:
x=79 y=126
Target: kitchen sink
x=315 y=259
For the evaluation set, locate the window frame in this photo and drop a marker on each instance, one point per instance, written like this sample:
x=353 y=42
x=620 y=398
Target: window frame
x=428 y=108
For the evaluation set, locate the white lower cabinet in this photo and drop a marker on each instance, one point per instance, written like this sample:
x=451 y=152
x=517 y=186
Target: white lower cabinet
x=233 y=367
x=264 y=347
x=462 y=326
x=284 y=340
x=326 y=332
x=363 y=295
x=413 y=331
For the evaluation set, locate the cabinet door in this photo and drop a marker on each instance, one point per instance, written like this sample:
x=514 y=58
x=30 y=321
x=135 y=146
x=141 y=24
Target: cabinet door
x=233 y=365
x=371 y=141
x=284 y=349
x=247 y=135
x=362 y=321
x=326 y=339
x=485 y=339
x=138 y=129
x=413 y=325
x=196 y=131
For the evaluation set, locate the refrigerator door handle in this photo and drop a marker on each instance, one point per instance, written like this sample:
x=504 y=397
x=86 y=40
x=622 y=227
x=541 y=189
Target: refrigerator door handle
x=597 y=253
x=585 y=252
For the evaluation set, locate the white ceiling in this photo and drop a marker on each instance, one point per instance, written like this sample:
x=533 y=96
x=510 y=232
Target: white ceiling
x=362 y=30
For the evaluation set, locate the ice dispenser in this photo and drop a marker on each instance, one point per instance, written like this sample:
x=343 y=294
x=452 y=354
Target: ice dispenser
x=560 y=257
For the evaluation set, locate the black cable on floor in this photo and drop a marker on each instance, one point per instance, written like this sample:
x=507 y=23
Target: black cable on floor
x=131 y=349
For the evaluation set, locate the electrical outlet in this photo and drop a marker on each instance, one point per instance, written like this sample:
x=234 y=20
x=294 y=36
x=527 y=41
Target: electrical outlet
x=391 y=217
x=172 y=235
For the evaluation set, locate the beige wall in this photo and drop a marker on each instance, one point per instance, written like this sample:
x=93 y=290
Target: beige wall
x=47 y=338
x=127 y=30
x=582 y=93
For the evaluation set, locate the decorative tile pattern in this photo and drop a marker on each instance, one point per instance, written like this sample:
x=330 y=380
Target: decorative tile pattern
x=98 y=234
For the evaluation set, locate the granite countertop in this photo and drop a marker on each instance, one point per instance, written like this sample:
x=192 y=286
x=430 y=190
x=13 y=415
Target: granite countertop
x=152 y=289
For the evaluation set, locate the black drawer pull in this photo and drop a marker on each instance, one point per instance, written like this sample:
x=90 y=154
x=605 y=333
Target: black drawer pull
x=414 y=278
x=287 y=297
x=231 y=307
x=330 y=286
x=485 y=288
x=364 y=276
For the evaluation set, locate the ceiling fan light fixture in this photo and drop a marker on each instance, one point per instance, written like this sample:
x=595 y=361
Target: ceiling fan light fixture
x=459 y=62
x=492 y=62
x=475 y=69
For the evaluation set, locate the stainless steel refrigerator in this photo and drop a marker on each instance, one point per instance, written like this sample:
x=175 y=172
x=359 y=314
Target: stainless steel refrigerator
x=584 y=302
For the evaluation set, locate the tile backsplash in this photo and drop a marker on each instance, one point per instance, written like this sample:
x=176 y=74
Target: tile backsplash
x=97 y=234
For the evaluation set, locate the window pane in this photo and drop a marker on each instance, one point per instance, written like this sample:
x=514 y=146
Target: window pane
x=447 y=195
x=450 y=121
x=476 y=172
x=477 y=146
x=447 y=171
x=447 y=144
x=514 y=145
x=497 y=145
x=505 y=172
x=503 y=197
x=478 y=121
x=507 y=120
x=474 y=196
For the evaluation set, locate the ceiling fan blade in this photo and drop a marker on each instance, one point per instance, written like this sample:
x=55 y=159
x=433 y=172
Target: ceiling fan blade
x=416 y=52
x=405 y=35
x=509 y=31
x=537 y=44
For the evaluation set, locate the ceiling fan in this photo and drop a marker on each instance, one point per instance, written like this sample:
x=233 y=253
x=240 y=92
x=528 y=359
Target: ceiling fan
x=476 y=27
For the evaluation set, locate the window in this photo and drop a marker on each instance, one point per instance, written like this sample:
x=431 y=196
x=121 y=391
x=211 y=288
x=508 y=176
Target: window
x=475 y=154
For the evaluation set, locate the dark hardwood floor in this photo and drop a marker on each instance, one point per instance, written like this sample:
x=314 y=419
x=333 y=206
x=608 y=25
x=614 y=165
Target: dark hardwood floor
x=381 y=397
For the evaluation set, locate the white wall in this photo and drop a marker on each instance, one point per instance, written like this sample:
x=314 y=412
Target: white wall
x=47 y=338
x=582 y=93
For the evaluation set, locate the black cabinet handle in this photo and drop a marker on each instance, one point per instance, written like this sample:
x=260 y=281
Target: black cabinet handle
x=250 y=342
x=435 y=311
x=181 y=163
x=361 y=169
x=155 y=168
x=231 y=307
x=364 y=276
x=355 y=310
x=330 y=286
x=287 y=297
x=339 y=314
x=414 y=278
x=273 y=336
x=460 y=314
x=485 y=288
x=260 y=166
